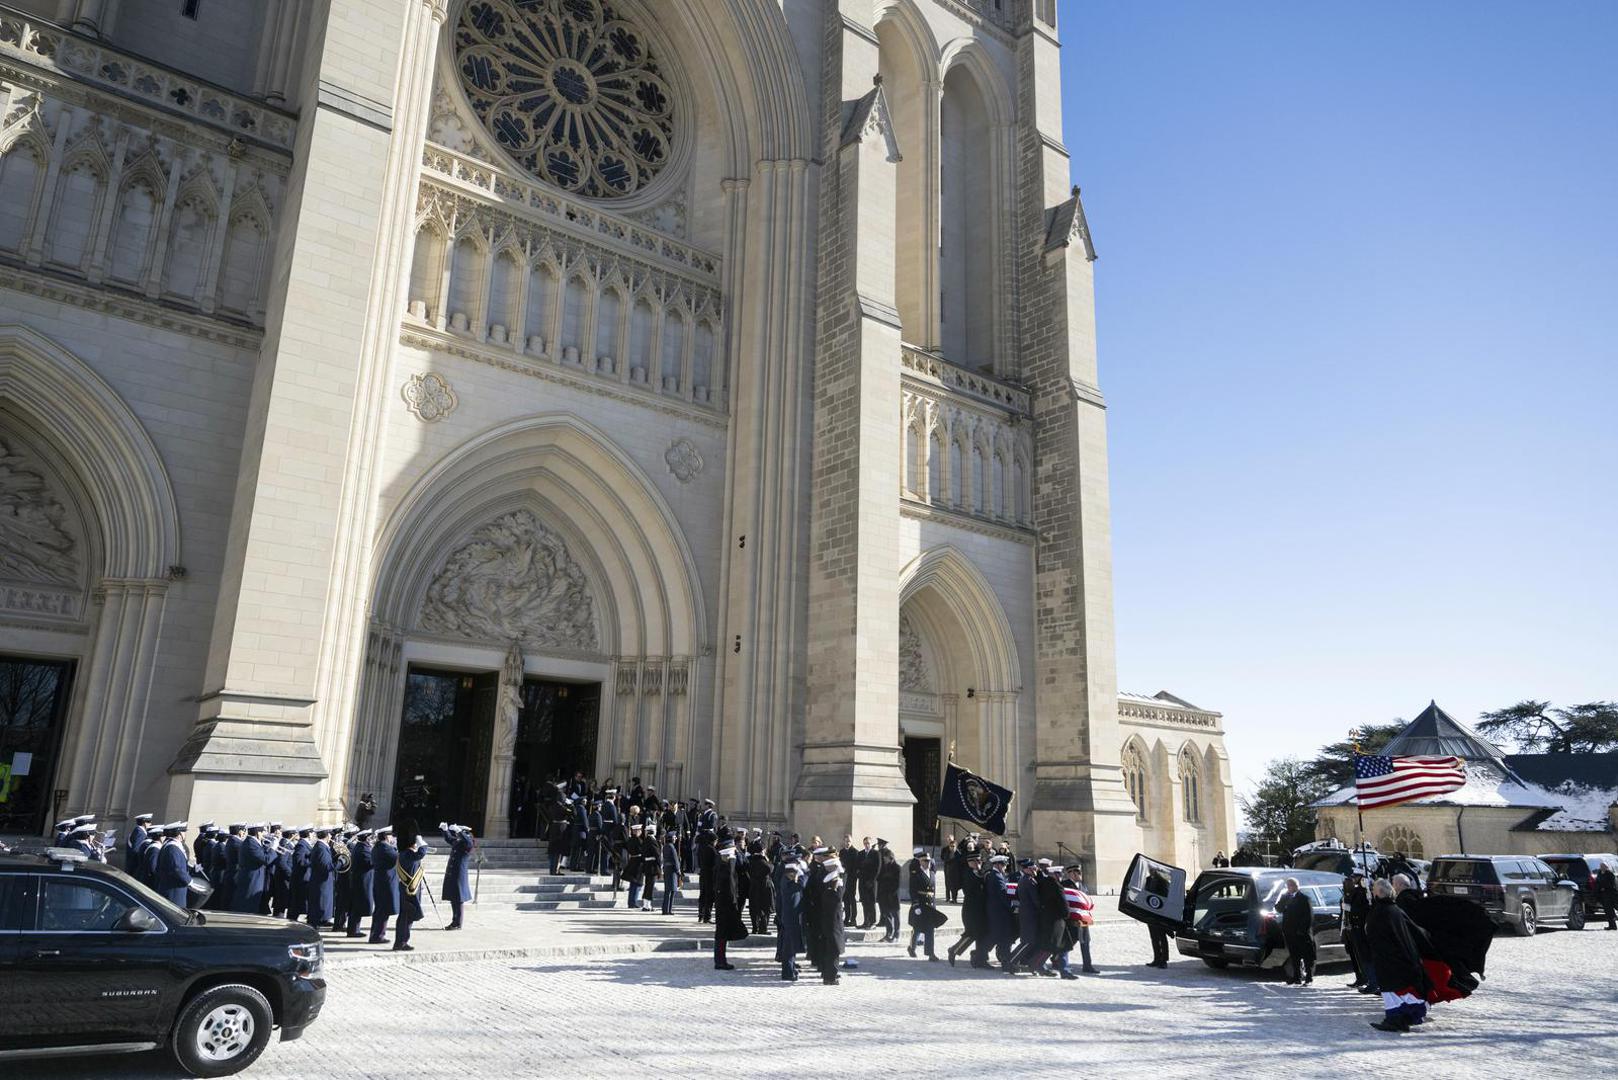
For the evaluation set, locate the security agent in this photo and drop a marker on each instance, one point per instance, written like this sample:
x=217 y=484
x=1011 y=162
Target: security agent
x=132 y=842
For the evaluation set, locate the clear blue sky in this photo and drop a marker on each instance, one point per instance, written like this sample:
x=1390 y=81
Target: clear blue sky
x=1357 y=301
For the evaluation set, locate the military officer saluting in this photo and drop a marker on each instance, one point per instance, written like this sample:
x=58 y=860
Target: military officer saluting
x=457 y=889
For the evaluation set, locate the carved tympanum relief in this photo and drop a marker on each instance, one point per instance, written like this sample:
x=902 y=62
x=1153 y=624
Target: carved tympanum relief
x=35 y=546
x=513 y=580
x=914 y=674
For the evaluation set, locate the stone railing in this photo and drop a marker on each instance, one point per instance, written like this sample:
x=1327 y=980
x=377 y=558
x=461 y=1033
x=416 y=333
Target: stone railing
x=933 y=368
x=587 y=222
x=1131 y=709
x=964 y=456
x=53 y=48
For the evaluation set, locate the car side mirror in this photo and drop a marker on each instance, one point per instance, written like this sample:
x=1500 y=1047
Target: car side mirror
x=137 y=921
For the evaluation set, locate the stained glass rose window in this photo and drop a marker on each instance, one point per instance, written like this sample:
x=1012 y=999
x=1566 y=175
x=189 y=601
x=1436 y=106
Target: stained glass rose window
x=569 y=90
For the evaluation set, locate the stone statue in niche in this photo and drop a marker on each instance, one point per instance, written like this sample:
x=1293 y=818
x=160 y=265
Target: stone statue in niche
x=913 y=672
x=513 y=580
x=509 y=709
x=35 y=547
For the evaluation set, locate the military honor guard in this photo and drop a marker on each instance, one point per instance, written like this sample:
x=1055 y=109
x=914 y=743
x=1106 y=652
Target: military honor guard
x=322 y=867
x=925 y=917
x=154 y=848
x=789 y=935
x=632 y=870
x=384 y=883
x=132 y=842
x=999 y=900
x=457 y=886
x=247 y=894
x=173 y=871
x=824 y=915
x=82 y=837
x=672 y=871
x=728 y=925
x=411 y=878
x=360 y=877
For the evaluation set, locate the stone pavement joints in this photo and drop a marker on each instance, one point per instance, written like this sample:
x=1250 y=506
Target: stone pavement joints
x=671 y=1015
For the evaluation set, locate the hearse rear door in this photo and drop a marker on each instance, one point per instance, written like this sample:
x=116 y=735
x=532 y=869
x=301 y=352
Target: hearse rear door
x=1154 y=892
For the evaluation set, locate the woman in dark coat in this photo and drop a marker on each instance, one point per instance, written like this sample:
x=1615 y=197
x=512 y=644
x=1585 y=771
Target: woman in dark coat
x=728 y=925
x=887 y=893
x=384 y=884
x=457 y=886
x=1396 y=946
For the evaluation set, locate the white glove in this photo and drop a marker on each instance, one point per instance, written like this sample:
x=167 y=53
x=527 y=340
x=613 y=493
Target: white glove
x=443 y=826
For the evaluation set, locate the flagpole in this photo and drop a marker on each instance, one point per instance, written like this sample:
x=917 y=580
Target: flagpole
x=1359 y=807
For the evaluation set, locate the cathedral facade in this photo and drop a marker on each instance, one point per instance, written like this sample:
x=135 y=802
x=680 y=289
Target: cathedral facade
x=426 y=398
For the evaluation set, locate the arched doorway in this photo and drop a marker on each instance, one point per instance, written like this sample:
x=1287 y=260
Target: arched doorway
x=960 y=680
x=537 y=611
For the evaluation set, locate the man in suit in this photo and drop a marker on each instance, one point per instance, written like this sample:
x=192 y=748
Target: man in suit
x=849 y=858
x=870 y=864
x=247 y=891
x=174 y=866
x=1297 y=930
x=672 y=870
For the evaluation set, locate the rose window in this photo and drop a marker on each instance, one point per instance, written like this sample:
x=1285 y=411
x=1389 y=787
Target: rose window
x=569 y=90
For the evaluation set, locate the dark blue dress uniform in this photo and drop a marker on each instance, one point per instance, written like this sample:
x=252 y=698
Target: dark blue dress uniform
x=321 y=868
x=281 y=879
x=789 y=921
x=299 y=880
x=173 y=873
x=225 y=883
x=409 y=875
x=342 y=858
x=248 y=889
x=384 y=889
x=137 y=837
x=154 y=847
x=457 y=887
x=998 y=901
x=360 y=876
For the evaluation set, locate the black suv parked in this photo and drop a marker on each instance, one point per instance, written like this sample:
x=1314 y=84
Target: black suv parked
x=1581 y=870
x=92 y=961
x=1518 y=891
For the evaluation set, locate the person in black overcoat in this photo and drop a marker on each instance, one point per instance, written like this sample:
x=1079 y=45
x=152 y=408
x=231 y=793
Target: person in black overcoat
x=870 y=866
x=759 y=899
x=828 y=917
x=557 y=816
x=1051 y=931
x=925 y=917
x=705 y=868
x=728 y=925
x=651 y=861
x=849 y=856
x=887 y=891
x=248 y=894
x=1297 y=930
x=1607 y=894
x=811 y=903
x=1396 y=946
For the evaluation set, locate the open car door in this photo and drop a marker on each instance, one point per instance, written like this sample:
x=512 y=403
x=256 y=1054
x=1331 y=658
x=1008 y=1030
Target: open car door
x=1154 y=892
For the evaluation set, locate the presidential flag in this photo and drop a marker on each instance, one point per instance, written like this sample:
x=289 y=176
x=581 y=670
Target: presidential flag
x=1388 y=781
x=969 y=797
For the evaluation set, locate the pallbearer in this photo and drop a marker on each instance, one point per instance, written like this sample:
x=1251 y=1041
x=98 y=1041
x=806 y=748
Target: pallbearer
x=457 y=887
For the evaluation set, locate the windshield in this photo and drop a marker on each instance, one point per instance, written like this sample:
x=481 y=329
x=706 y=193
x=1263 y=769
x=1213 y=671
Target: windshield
x=1224 y=904
x=154 y=900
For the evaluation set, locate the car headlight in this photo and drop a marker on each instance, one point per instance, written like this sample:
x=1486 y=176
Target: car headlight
x=307 y=955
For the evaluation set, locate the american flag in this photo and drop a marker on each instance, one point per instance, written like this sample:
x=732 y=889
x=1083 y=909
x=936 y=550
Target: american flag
x=1387 y=781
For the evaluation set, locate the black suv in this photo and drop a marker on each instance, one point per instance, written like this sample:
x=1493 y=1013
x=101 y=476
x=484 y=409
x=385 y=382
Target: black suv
x=1518 y=891
x=1581 y=870
x=92 y=961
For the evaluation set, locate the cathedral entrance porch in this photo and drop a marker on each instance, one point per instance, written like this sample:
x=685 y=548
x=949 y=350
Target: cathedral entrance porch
x=447 y=747
x=33 y=705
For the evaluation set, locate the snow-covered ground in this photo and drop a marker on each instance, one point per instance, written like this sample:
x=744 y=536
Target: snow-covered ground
x=1548 y=1009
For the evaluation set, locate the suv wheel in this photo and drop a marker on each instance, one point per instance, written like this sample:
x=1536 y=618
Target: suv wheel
x=222 y=1030
x=1575 y=915
x=1527 y=921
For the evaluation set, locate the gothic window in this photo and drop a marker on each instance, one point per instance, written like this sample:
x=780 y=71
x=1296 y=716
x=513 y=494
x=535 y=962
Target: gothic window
x=20 y=172
x=1190 y=781
x=1396 y=838
x=570 y=90
x=132 y=230
x=1135 y=778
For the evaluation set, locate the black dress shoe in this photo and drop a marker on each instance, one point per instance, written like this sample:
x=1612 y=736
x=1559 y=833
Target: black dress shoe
x=453 y=926
x=724 y=967
x=1392 y=1025
x=1068 y=975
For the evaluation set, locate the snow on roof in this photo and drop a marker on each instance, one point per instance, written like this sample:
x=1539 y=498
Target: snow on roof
x=1570 y=806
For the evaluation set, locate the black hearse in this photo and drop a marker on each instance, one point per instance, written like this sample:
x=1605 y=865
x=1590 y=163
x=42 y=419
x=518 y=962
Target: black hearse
x=92 y=962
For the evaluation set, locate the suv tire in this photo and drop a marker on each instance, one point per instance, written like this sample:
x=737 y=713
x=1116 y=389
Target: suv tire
x=1527 y=920
x=222 y=1030
x=1575 y=915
